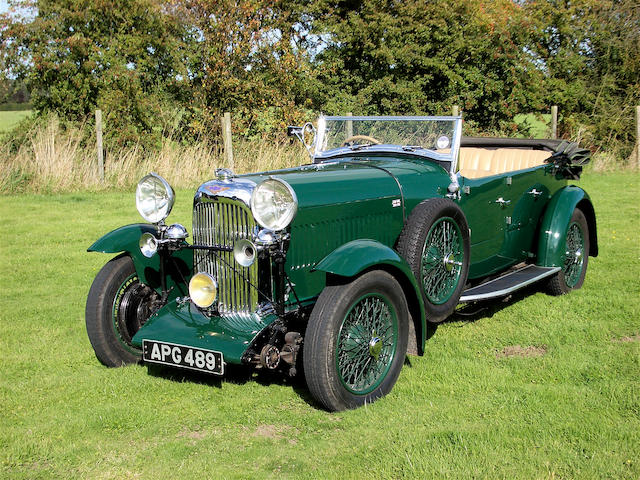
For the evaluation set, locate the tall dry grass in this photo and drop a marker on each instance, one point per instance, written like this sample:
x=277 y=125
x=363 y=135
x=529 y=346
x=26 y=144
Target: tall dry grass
x=54 y=159
x=57 y=159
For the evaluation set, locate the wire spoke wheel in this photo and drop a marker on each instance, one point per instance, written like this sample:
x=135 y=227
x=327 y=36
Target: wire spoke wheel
x=356 y=341
x=366 y=343
x=118 y=305
x=442 y=260
x=435 y=243
x=574 y=255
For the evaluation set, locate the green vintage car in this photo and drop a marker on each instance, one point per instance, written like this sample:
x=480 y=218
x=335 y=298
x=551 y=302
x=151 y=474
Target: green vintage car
x=336 y=267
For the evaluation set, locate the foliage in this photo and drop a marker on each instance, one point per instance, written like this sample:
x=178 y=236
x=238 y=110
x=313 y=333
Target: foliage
x=167 y=69
x=589 y=51
x=421 y=57
x=241 y=59
x=14 y=95
x=117 y=55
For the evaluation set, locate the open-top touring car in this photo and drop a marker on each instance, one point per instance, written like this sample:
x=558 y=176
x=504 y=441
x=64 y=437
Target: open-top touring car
x=338 y=265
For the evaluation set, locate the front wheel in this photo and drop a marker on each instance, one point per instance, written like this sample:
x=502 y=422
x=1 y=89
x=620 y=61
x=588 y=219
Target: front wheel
x=356 y=341
x=117 y=306
x=576 y=257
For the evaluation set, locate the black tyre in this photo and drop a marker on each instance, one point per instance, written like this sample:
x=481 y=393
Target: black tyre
x=356 y=341
x=576 y=258
x=435 y=244
x=117 y=306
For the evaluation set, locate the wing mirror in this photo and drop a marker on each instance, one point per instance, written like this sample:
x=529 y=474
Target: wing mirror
x=293 y=131
x=306 y=134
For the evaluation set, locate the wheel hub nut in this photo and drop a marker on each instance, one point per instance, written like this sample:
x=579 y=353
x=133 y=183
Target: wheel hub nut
x=449 y=262
x=375 y=346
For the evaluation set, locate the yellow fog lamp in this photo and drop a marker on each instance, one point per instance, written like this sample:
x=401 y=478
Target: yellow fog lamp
x=203 y=289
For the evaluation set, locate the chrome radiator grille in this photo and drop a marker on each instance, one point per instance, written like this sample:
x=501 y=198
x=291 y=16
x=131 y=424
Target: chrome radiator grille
x=222 y=223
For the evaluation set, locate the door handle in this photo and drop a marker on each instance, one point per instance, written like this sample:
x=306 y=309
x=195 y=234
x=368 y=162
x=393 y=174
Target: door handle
x=503 y=202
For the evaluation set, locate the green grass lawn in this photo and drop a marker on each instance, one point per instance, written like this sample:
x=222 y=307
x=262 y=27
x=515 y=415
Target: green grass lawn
x=8 y=120
x=464 y=410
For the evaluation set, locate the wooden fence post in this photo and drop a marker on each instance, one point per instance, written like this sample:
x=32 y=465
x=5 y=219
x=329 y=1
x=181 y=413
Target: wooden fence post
x=455 y=111
x=99 y=145
x=554 y=121
x=349 y=126
x=638 y=135
x=226 y=137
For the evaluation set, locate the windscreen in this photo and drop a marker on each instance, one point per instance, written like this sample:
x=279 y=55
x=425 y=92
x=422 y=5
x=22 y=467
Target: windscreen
x=428 y=133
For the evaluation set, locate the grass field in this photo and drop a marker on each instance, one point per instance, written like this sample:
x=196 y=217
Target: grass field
x=8 y=120
x=564 y=404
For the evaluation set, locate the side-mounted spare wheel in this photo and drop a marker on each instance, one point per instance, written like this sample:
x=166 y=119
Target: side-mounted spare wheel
x=356 y=341
x=576 y=257
x=117 y=306
x=435 y=244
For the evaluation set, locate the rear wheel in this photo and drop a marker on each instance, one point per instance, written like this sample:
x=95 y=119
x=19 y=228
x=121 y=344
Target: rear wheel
x=117 y=306
x=356 y=341
x=576 y=257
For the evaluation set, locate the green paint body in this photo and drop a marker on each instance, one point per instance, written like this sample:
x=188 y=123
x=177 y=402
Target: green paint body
x=553 y=229
x=350 y=214
x=125 y=239
x=186 y=325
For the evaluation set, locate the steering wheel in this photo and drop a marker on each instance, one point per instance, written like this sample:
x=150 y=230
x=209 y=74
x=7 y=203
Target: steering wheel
x=367 y=138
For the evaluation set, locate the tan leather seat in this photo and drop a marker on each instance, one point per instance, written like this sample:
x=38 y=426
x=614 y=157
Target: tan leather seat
x=476 y=162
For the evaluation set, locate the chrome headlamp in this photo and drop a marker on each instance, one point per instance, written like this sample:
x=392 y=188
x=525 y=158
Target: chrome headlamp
x=274 y=204
x=176 y=232
x=154 y=198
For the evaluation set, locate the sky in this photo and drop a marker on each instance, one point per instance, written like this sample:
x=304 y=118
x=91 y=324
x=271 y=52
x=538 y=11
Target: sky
x=3 y=6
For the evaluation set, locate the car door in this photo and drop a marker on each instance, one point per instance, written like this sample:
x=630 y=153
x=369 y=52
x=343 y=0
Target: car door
x=530 y=193
x=488 y=205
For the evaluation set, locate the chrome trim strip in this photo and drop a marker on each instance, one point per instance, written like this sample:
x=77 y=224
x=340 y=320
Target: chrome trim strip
x=506 y=291
x=391 y=117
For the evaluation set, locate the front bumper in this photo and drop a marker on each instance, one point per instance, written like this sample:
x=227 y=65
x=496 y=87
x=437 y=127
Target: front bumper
x=183 y=323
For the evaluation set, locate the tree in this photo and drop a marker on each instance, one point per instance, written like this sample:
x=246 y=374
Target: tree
x=589 y=52
x=118 y=55
x=391 y=56
x=244 y=59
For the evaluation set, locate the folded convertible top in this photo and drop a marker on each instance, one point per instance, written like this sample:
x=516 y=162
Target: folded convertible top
x=492 y=142
x=568 y=157
x=563 y=151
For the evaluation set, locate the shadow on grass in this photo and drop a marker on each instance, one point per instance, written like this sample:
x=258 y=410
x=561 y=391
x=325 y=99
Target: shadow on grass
x=476 y=311
x=242 y=374
x=236 y=375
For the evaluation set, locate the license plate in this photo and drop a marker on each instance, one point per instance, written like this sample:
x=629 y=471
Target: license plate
x=176 y=355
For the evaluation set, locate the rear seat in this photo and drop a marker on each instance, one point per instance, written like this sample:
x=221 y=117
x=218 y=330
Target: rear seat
x=482 y=162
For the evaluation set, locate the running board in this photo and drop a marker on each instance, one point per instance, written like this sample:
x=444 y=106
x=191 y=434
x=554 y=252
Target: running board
x=501 y=286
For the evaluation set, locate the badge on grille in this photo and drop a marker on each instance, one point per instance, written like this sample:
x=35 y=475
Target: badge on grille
x=215 y=188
